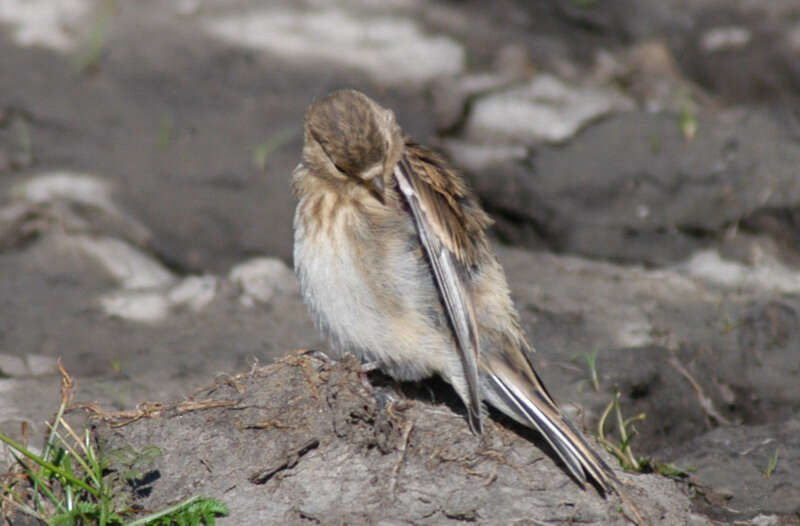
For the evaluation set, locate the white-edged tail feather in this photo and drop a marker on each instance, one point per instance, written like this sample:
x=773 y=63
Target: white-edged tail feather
x=562 y=437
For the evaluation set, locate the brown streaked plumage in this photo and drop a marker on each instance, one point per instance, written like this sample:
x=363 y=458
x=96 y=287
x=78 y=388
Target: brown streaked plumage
x=394 y=263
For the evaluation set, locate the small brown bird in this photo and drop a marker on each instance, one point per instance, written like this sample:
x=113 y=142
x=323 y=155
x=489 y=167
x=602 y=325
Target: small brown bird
x=394 y=263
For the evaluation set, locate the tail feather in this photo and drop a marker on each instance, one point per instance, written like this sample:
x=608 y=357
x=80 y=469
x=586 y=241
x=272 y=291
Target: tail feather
x=533 y=408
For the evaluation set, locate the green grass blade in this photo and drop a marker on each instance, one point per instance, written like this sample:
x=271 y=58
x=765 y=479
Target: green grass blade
x=41 y=486
x=48 y=465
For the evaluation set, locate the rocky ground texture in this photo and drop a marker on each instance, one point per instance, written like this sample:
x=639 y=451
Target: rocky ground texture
x=640 y=160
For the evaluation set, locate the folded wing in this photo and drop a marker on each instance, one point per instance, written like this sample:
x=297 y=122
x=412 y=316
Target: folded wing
x=448 y=273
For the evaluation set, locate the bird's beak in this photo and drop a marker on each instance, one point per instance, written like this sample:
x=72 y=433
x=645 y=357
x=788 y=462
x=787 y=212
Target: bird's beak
x=379 y=187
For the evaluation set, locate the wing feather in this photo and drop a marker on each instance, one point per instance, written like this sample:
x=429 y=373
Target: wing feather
x=450 y=207
x=456 y=299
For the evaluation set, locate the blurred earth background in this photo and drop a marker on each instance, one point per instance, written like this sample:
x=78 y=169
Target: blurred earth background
x=641 y=160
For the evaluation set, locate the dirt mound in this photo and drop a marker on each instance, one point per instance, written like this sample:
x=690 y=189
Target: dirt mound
x=306 y=441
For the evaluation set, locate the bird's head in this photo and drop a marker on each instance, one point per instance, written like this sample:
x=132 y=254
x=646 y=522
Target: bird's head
x=348 y=136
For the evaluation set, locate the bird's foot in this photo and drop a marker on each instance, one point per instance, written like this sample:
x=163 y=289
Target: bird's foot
x=319 y=355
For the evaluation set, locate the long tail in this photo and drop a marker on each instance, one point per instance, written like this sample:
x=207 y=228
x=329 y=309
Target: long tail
x=529 y=403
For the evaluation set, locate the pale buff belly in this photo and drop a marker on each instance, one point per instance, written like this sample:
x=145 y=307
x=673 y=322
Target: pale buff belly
x=397 y=323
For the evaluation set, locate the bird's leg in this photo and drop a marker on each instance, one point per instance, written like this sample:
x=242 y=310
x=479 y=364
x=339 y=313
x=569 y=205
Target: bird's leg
x=385 y=400
x=366 y=368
